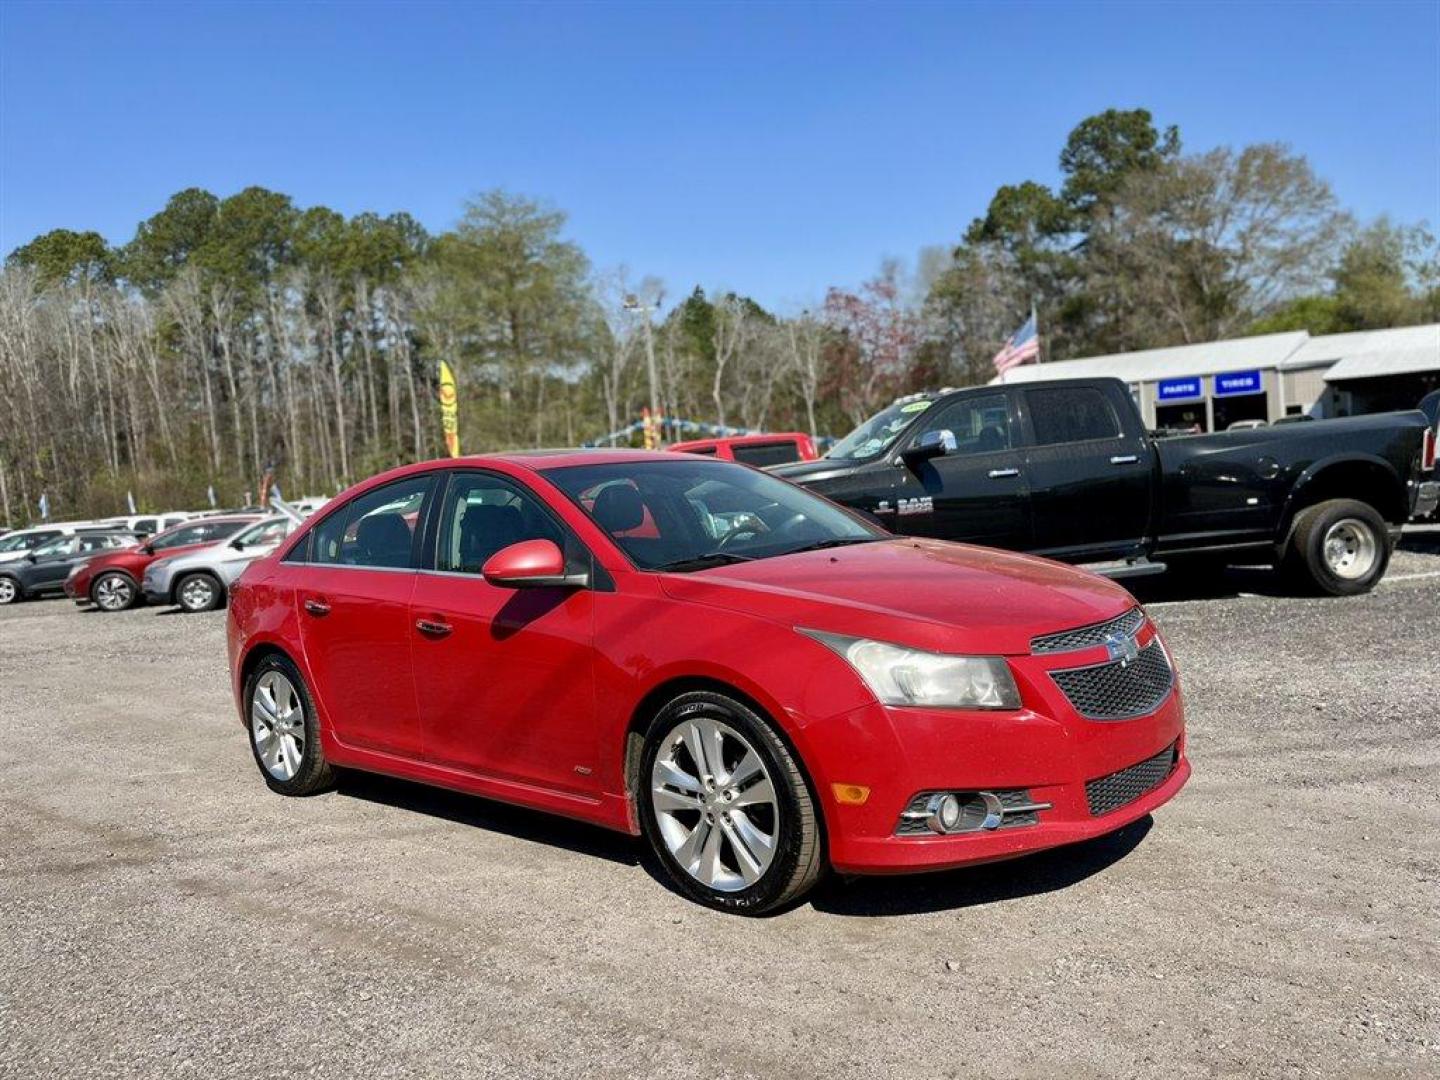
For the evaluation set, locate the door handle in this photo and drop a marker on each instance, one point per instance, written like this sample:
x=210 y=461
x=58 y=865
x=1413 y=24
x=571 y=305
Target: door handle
x=432 y=628
x=1124 y=459
x=317 y=607
x=1000 y=474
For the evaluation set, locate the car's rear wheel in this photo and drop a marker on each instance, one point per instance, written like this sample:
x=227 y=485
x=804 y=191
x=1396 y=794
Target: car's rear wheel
x=10 y=590
x=1340 y=547
x=198 y=592
x=284 y=730
x=113 y=592
x=726 y=808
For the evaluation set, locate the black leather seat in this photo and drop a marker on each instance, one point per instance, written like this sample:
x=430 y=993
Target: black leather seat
x=484 y=530
x=383 y=540
x=992 y=438
x=619 y=508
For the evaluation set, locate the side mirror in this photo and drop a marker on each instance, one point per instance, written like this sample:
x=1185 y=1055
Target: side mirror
x=238 y=544
x=531 y=564
x=147 y=548
x=932 y=444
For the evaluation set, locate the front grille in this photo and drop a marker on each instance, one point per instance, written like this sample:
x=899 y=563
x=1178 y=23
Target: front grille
x=1118 y=690
x=1122 y=788
x=1087 y=637
x=972 y=812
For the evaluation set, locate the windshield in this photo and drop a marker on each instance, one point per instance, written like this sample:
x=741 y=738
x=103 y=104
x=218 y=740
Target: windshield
x=696 y=512
x=265 y=532
x=876 y=435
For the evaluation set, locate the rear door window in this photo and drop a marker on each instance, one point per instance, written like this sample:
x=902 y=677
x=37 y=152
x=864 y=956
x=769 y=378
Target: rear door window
x=1071 y=414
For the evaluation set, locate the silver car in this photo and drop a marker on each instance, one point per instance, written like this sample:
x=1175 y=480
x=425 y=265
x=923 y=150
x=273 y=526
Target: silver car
x=199 y=580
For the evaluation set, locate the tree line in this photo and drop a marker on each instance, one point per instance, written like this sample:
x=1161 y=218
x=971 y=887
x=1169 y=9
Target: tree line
x=231 y=337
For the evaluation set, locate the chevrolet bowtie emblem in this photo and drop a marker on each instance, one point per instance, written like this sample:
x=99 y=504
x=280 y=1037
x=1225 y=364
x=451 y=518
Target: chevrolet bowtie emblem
x=1122 y=647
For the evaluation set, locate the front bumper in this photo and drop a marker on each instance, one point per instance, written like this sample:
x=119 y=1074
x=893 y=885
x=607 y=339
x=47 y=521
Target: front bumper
x=1046 y=749
x=1427 y=499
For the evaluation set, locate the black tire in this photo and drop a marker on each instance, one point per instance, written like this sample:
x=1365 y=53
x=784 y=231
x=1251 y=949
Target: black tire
x=313 y=773
x=1305 y=563
x=11 y=591
x=197 y=599
x=120 y=586
x=798 y=858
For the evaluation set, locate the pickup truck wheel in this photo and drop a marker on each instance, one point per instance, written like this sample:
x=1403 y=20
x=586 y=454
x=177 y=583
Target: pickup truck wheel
x=1340 y=547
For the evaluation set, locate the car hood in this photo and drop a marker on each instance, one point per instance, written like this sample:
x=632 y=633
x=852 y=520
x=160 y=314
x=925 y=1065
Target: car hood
x=801 y=472
x=926 y=593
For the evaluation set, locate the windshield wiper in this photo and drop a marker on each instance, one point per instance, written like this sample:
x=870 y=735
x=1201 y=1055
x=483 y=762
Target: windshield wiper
x=705 y=561
x=833 y=542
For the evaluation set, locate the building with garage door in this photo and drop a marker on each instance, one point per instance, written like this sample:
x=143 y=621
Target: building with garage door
x=1212 y=386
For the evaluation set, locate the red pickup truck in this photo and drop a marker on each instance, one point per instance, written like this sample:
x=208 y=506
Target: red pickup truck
x=759 y=450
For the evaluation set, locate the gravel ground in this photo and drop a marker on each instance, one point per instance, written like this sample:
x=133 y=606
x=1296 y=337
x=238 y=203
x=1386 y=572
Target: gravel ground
x=164 y=915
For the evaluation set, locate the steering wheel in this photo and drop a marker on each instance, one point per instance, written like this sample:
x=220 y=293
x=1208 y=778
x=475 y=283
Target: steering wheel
x=740 y=530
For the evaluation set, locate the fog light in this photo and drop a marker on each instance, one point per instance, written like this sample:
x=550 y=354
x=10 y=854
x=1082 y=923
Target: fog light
x=944 y=813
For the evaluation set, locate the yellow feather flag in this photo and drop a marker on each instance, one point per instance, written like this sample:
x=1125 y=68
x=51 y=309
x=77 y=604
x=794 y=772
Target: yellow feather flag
x=449 y=410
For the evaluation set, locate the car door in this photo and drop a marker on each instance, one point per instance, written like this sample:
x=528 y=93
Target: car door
x=975 y=491
x=503 y=676
x=353 y=603
x=1090 y=479
x=52 y=562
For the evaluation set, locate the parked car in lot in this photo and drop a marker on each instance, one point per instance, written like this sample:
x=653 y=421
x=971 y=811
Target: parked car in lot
x=43 y=570
x=14 y=546
x=760 y=682
x=198 y=580
x=147 y=524
x=758 y=450
x=112 y=581
x=1066 y=469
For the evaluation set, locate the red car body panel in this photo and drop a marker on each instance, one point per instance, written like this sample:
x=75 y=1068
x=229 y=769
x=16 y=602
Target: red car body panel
x=528 y=695
x=724 y=448
x=133 y=561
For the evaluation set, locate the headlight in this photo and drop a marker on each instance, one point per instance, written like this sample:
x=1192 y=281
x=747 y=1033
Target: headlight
x=901 y=676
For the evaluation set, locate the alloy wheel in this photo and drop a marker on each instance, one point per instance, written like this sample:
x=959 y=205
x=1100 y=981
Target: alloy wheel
x=277 y=725
x=715 y=804
x=197 y=594
x=1350 y=549
x=8 y=591
x=113 y=593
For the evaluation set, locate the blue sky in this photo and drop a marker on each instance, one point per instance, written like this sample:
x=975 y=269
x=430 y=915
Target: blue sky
x=774 y=149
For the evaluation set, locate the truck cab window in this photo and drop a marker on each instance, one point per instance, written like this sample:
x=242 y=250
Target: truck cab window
x=981 y=424
x=1070 y=414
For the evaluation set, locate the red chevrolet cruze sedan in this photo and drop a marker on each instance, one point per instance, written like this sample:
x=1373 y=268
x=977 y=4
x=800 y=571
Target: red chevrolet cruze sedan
x=112 y=582
x=758 y=681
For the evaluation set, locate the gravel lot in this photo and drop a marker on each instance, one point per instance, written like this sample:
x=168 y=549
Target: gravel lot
x=163 y=914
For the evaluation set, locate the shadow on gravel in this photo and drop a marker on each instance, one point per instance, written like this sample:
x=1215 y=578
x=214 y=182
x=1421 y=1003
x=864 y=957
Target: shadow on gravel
x=1424 y=540
x=1030 y=875
x=516 y=821
x=1218 y=584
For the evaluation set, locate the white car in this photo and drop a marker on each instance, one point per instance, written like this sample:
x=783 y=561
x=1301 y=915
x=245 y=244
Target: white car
x=14 y=546
x=147 y=524
x=199 y=580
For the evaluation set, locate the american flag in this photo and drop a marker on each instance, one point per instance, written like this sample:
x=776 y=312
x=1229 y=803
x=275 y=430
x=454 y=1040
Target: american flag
x=1023 y=347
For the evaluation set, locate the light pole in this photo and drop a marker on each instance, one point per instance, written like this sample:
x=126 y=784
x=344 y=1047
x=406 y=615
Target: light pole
x=632 y=303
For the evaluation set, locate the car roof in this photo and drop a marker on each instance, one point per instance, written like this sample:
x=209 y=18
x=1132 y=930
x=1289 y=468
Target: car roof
x=540 y=460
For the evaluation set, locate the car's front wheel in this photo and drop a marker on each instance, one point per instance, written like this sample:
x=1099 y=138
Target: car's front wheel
x=198 y=592
x=284 y=729
x=10 y=590
x=113 y=592
x=726 y=808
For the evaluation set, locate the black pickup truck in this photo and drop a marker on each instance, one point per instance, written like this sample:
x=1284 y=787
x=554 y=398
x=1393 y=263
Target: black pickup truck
x=1066 y=469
